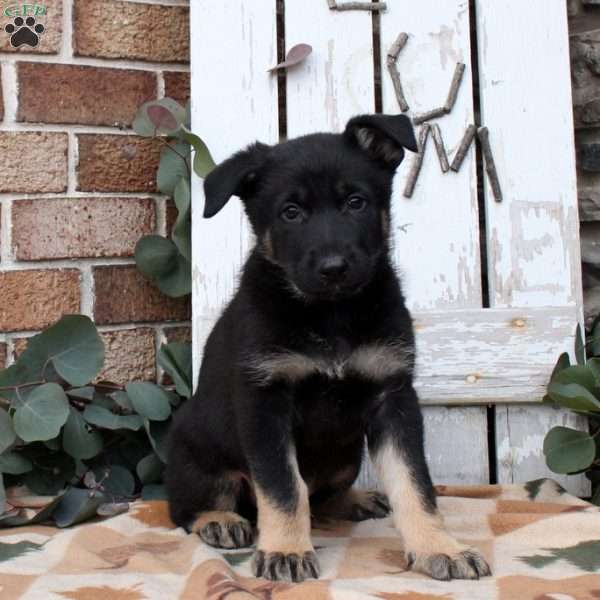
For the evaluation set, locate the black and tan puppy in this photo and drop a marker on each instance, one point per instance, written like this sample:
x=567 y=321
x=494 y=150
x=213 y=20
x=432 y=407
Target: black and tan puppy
x=314 y=352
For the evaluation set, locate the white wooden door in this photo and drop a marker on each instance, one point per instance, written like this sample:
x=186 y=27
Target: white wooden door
x=469 y=356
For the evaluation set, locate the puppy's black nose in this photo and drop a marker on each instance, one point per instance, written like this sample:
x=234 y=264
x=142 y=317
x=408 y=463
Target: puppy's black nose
x=333 y=268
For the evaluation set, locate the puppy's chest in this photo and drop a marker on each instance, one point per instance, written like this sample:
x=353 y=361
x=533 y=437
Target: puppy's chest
x=336 y=360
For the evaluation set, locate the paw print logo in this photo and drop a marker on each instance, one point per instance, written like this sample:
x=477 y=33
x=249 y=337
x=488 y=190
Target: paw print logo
x=24 y=31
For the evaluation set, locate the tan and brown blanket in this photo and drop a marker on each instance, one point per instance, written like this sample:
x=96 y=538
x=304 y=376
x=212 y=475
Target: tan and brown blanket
x=542 y=544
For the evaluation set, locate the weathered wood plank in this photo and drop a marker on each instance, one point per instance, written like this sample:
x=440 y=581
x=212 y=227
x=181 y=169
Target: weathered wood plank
x=336 y=81
x=492 y=355
x=456 y=444
x=436 y=240
x=234 y=102
x=533 y=239
x=436 y=232
x=520 y=432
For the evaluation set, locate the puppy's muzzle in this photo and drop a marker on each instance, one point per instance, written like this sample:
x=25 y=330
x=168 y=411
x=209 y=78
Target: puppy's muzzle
x=333 y=269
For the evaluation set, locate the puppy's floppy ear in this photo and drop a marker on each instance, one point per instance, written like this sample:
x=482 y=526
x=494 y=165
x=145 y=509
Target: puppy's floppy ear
x=383 y=137
x=233 y=177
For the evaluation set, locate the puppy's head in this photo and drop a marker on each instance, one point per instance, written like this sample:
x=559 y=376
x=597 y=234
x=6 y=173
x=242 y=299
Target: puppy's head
x=319 y=204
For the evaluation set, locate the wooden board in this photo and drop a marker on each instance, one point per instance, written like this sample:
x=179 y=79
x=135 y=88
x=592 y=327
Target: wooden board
x=234 y=102
x=520 y=432
x=533 y=240
x=492 y=355
x=436 y=243
x=336 y=81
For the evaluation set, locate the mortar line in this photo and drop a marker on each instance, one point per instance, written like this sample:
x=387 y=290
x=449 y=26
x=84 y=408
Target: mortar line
x=9 y=90
x=107 y=63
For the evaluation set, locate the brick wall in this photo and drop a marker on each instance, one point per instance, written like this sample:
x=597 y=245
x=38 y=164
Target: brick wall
x=78 y=187
x=584 y=27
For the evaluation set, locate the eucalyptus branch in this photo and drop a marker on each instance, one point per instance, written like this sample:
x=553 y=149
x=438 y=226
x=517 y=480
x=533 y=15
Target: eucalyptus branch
x=16 y=387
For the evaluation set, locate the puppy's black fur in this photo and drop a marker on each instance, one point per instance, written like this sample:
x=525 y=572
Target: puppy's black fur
x=314 y=352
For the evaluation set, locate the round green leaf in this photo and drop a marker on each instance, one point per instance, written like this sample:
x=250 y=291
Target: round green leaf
x=174 y=163
x=142 y=124
x=573 y=396
x=7 y=432
x=562 y=363
x=149 y=400
x=594 y=366
x=182 y=230
x=79 y=439
x=159 y=117
x=105 y=419
x=122 y=399
x=72 y=346
x=203 y=161
x=568 y=450
x=580 y=374
x=155 y=256
x=42 y=415
x=595 y=338
x=154 y=491
x=177 y=282
x=176 y=360
x=157 y=433
x=150 y=469
x=14 y=463
x=77 y=505
x=51 y=473
x=119 y=481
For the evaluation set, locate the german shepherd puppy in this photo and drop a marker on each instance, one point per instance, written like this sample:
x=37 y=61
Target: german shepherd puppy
x=314 y=353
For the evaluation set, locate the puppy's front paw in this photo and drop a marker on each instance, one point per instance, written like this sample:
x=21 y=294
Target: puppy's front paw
x=467 y=564
x=369 y=504
x=278 y=566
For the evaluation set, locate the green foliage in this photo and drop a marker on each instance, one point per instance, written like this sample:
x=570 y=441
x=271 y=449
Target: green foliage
x=577 y=387
x=167 y=262
x=95 y=445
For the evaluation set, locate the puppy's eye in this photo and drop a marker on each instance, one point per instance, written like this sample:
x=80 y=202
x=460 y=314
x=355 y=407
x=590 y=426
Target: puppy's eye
x=356 y=203
x=291 y=213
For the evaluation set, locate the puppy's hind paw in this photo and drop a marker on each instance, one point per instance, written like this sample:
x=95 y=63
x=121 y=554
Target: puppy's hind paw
x=369 y=504
x=278 y=566
x=223 y=530
x=468 y=564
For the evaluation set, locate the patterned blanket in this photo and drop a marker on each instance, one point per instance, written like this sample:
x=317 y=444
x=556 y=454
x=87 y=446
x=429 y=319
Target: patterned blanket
x=541 y=543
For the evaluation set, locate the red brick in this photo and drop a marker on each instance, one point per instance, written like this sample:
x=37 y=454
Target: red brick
x=177 y=86
x=117 y=163
x=35 y=299
x=2 y=356
x=133 y=30
x=170 y=215
x=80 y=227
x=130 y=354
x=123 y=295
x=51 y=93
x=33 y=161
x=50 y=40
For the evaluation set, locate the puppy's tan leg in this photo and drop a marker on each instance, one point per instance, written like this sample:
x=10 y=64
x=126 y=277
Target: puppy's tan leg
x=353 y=505
x=284 y=549
x=429 y=548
